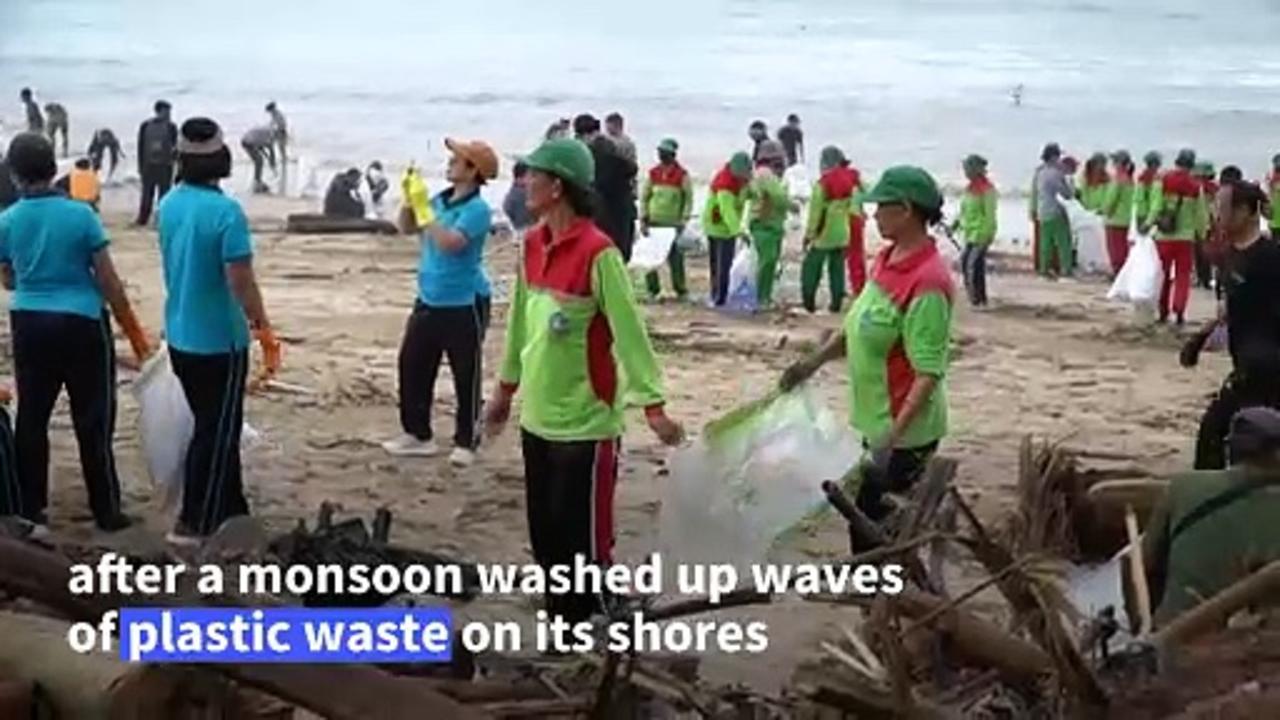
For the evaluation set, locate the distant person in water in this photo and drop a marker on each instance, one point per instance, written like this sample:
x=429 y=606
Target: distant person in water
x=343 y=197
x=792 y=139
x=35 y=119
x=281 y=129
x=259 y=145
x=615 y=129
x=157 y=152
x=57 y=122
x=105 y=142
x=758 y=132
x=514 y=205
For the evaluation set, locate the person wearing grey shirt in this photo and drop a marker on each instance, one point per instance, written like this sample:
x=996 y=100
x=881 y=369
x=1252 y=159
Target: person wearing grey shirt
x=260 y=144
x=1050 y=187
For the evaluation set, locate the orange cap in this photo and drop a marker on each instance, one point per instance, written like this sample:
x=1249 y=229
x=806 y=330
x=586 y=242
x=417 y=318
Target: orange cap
x=476 y=152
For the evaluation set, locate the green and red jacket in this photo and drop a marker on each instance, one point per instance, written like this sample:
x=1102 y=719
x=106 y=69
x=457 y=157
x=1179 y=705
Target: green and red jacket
x=666 y=200
x=830 y=207
x=722 y=216
x=1142 y=193
x=1178 y=189
x=1274 y=181
x=978 y=222
x=573 y=321
x=769 y=200
x=1117 y=204
x=898 y=328
x=1093 y=192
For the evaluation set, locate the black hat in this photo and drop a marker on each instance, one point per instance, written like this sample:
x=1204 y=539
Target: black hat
x=1254 y=431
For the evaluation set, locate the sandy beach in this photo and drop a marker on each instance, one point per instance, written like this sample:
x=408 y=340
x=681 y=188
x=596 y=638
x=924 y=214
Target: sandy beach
x=1049 y=358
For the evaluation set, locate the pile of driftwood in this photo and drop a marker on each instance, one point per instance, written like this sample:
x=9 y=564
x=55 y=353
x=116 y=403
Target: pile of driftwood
x=928 y=654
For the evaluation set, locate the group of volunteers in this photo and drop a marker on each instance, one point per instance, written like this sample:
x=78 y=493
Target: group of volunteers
x=577 y=351
x=55 y=258
x=1177 y=207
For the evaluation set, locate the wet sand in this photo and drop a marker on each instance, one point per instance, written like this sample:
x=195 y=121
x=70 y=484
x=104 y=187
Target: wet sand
x=1049 y=358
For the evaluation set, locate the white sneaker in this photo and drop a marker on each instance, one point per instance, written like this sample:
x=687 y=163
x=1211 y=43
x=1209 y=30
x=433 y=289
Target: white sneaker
x=409 y=446
x=462 y=457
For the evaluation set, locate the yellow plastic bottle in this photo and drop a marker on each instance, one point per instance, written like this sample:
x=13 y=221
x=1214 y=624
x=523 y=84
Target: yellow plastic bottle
x=414 y=191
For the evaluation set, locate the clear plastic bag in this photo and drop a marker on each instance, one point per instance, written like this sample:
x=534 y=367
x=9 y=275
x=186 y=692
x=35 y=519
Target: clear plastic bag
x=1089 y=233
x=1138 y=281
x=165 y=425
x=750 y=477
x=650 y=252
x=742 y=279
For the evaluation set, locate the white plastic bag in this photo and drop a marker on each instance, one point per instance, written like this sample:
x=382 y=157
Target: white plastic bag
x=1139 y=280
x=1089 y=233
x=165 y=425
x=796 y=179
x=742 y=279
x=749 y=478
x=650 y=253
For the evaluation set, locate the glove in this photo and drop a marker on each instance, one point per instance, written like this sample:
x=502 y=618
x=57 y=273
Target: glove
x=875 y=466
x=138 y=341
x=1189 y=356
x=272 y=355
x=414 y=190
x=667 y=430
x=796 y=374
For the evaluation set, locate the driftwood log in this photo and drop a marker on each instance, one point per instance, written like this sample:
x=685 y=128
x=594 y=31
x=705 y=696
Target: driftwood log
x=320 y=224
x=1212 y=614
x=338 y=692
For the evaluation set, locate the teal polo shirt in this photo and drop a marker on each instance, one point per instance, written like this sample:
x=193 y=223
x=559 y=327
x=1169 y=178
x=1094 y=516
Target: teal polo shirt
x=455 y=279
x=201 y=230
x=49 y=241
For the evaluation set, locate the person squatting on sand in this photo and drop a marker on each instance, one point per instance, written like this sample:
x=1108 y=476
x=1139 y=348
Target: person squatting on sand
x=54 y=257
x=577 y=352
x=212 y=309
x=451 y=312
x=896 y=339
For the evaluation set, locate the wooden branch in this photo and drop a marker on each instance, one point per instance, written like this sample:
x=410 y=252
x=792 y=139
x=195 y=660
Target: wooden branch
x=1262 y=585
x=534 y=709
x=736 y=598
x=1138 y=571
x=956 y=601
x=337 y=692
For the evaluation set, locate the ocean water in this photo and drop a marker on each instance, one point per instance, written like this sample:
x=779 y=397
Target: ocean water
x=896 y=81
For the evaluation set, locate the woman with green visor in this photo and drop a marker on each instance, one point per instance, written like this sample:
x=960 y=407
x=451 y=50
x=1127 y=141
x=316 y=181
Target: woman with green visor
x=572 y=327
x=895 y=340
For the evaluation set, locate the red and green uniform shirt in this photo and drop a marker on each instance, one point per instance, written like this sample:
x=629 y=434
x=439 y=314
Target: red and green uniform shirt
x=770 y=202
x=666 y=200
x=722 y=216
x=1180 y=192
x=573 y=326
x=978 y=212
x=1147 y=180
x=830 y=208
x=898 y=328
x=1117 y=204
x=1093 y=192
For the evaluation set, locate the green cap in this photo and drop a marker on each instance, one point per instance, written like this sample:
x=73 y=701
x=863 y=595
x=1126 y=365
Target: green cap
x=975 y=162
x=740 y=165
x=1186 y=158
x=907 y=184
x=831 y=157
x=1152 y=158
x=567 y=159
x=668 y=145
x=1122 y=157
x=1203 y=169
x=1275 y=159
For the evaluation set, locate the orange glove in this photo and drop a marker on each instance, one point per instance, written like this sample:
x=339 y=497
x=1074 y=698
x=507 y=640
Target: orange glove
x=142 y=348
x=272 y=355
x=6 y=394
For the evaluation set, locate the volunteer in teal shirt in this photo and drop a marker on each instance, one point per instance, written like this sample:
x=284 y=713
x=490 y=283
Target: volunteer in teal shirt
x=212 y=306
x=54 y=257
x=451 y=313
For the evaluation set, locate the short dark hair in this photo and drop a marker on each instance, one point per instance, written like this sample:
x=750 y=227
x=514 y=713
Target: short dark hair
x=1247 y=195
x=83 y=164
x=162 y=105
x=31 y=158
x=25 y=92
x=520 y=169
x=585 y=124
x=1051 y=152
x=1230 y=173
x=758 y=125
x=271 y=106
x=613 y=117
x=793 y=118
